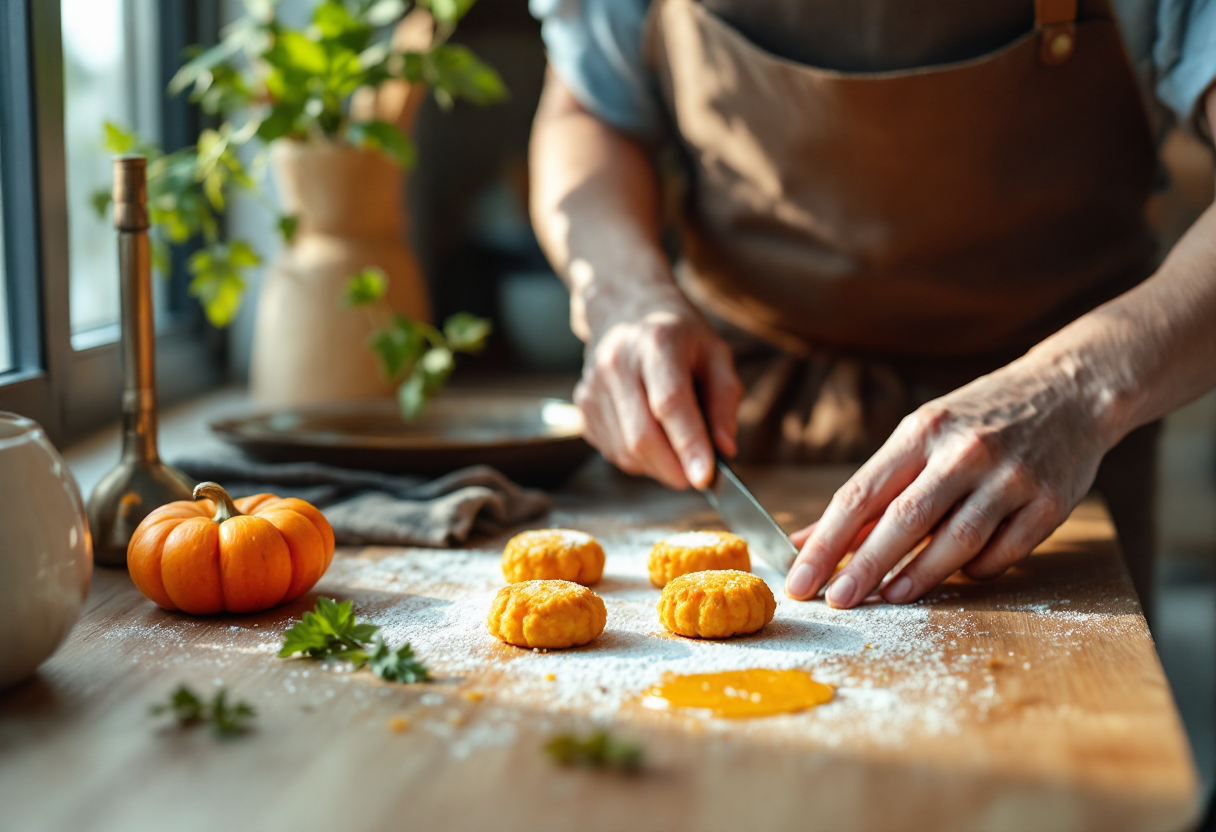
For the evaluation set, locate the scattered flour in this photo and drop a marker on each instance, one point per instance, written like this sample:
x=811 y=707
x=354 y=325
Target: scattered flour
x=894 y=678
x=900 y=674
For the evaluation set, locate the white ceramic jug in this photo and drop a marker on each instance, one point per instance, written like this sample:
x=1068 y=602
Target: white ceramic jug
x=46 y=555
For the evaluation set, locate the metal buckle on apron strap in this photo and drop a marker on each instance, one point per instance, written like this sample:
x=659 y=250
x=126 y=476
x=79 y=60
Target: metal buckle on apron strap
x=1055 y=21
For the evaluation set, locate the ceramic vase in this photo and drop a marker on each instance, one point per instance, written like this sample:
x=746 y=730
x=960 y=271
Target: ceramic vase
x=308 y=348
x=46 y=555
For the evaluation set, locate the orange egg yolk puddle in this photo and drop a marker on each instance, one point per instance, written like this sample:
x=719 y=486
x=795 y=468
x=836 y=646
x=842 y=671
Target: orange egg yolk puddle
x=739 y=693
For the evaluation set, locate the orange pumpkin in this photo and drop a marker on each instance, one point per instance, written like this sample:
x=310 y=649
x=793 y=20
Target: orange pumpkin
x=216 y=555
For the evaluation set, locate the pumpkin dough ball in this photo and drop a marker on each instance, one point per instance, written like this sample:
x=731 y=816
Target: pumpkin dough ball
x=717 y=603
x=551 y=614
x=688 y=552
x=553 y=555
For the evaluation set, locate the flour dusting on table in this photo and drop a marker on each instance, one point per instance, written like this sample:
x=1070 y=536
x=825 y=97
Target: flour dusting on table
x=892 y=674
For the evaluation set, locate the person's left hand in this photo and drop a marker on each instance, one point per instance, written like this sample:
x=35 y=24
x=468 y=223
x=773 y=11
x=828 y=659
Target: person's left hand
x=986 y=473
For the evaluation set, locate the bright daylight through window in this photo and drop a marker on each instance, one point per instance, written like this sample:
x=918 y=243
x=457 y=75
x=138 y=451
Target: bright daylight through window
x=6 y=352
x=109 y=51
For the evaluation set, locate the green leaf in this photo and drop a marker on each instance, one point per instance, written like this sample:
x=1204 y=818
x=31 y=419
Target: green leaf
x=399 y=345
x=183 y=704
x=384 y=12
x=466 y=332
x=365 y=287
x=280 y=121
x=333 y=20
x=241 y=255
x=387 y=138
x=161 y=262
x=295 y=52
x=218 y=280
x=119 y=140
x=450 y=11
x=457 y=73
x=101 y=202
x=597 y=750
x=229 y=720
x=190 y=710
x=330 y=632
x=412 y=396
x=198 y=69
x=397 y=666
x=437 y=365
x=288 y=224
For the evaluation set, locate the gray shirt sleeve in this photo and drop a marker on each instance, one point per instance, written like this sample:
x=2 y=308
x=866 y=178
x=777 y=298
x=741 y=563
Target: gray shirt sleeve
x=596 y=48
x=1184 y=56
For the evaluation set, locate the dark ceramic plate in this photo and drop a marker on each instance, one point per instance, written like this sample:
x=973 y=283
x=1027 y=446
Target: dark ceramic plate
x=533 y=440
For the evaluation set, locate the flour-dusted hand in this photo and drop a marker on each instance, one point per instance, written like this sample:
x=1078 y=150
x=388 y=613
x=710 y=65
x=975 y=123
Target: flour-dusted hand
x=986 y=473
x=639 y=395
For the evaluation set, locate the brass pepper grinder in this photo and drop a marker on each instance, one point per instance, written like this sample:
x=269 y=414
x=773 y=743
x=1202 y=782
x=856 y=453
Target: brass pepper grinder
x=140 y=482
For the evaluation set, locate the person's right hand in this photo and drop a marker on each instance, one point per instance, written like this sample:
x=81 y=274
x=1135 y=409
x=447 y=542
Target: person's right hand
x=639 y=394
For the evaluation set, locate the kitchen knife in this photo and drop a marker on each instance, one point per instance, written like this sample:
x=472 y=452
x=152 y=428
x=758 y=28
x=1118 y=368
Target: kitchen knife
x=744 y=516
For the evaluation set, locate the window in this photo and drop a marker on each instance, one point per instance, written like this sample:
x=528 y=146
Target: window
x=6 y=351
x=65 y=68
x=109 y=74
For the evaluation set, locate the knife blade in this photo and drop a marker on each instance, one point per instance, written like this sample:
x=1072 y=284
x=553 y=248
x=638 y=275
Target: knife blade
x=744 y=516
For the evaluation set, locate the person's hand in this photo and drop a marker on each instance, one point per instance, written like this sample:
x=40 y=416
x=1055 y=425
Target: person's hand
x=986 y=473
x=639 y=392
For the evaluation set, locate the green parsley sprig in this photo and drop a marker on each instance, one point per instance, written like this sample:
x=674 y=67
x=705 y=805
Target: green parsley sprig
x=330 y=632
x=597 y=750
x=190 y=710
x=397 y=665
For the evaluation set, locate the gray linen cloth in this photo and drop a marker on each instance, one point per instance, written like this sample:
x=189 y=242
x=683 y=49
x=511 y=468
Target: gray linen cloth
x=370 y=507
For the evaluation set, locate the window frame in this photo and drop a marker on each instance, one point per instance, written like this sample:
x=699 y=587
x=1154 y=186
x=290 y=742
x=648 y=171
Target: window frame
x=72 y=392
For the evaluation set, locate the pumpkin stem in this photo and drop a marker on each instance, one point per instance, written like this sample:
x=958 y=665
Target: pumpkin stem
x=225 y=509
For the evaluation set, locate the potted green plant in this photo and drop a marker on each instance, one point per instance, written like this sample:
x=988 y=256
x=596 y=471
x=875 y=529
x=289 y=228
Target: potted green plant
x=328 y=109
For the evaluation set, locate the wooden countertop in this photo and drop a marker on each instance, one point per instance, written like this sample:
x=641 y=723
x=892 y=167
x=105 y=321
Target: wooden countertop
x=1067 y=722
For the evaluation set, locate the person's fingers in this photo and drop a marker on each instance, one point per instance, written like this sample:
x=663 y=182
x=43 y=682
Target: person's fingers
x=857 y=503
x=959 y=539
x=908 y=519
x=721 y=392
x=672 y=399
x=643 y=440
x=601 y=430
x=800 y=537
x=1022 y=532
x=861 y=536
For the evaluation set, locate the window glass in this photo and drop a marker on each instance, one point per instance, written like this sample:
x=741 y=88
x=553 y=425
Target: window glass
x=6 y=351
x=109 y=54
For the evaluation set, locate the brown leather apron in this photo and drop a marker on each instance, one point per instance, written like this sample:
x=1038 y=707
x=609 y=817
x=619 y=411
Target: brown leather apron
x=929 y=224
x=886 y=236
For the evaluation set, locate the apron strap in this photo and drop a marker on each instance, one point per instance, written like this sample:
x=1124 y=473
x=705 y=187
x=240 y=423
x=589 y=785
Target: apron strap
x=1056 y=23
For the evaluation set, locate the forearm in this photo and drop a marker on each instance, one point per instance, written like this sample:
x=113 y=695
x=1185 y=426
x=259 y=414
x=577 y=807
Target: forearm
x=1150 y=350
x=595 y=206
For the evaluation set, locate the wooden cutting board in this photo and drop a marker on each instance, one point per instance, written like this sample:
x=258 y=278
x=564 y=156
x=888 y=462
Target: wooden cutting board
x=1033 y=702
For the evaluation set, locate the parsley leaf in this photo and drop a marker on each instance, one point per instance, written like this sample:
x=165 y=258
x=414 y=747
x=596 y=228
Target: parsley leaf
x=332 y=633
x=597 y=750
x=229 y=720
x=398 y=666
x=190 y=710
